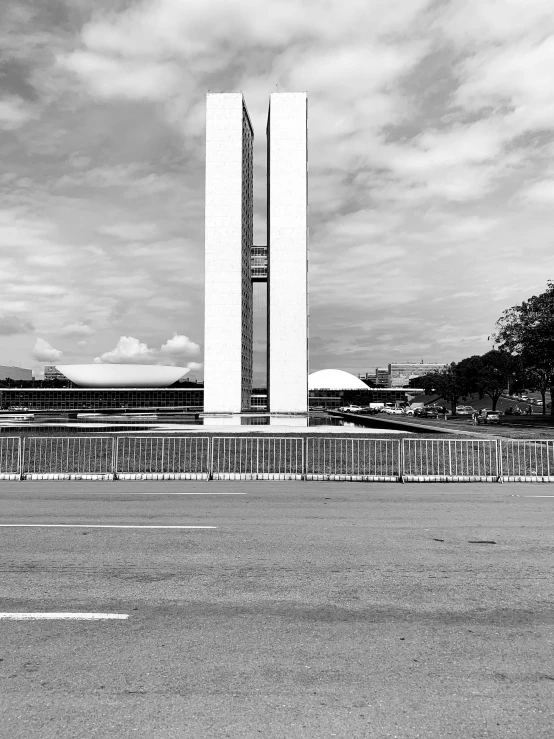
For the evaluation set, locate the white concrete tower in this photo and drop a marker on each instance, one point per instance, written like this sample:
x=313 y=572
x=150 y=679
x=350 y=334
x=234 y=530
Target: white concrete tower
x=228 y=241
x=287 y=240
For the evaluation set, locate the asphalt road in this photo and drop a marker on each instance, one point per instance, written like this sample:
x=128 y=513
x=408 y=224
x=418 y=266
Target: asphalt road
x=312 y=610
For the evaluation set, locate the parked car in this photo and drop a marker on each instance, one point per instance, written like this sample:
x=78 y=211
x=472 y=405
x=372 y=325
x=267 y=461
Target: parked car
x=396 y=411
x=465 y=410
x=351 y=409
x=487 y=415
x=409 y=411
x=429 y=412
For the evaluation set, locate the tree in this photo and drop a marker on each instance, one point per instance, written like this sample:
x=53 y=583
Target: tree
x=451 y=383
x=497 y=368
x=526 y=331
x=471 y=368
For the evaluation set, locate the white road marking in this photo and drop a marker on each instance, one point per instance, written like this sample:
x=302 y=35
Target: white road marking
x=94 y=526
x=64 y=616
x=532 y=496
x=124 y=492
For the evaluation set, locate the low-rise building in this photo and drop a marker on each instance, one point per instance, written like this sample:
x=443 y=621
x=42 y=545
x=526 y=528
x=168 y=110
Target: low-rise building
x=382 y=377
x=98 y=399
x=368 y=377
x=400 y=374
x=15 y=373
x=379 y=377
x=53 y=373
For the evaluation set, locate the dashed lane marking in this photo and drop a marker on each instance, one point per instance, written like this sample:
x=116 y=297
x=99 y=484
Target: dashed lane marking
x=94 y=526
x=532 y=496
x=125 y=492
x=63 y=616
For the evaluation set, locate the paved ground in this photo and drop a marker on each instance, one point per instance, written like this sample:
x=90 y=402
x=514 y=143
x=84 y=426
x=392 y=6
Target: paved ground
x=312 y=610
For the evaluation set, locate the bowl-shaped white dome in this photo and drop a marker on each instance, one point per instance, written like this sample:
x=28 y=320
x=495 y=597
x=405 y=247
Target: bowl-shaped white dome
x=121 y=375
x=333 y=379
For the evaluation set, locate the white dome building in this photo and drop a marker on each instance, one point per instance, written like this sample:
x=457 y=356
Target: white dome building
x=332 y=388
x=333 y=379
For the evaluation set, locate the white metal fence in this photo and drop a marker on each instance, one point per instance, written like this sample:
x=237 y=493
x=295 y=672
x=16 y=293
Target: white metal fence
x=276 y=458
x=257 y=458
x=353 y=459
x=456 y=460
x=162 y=458
x=67 y=458
x=527 y=461
x=10 y=458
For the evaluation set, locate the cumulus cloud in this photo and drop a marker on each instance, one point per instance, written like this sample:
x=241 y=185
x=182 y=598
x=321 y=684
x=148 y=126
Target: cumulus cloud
x=76 y=329
x=130 y=350
x=179 y=346
x=13 y=325
x=44 y=352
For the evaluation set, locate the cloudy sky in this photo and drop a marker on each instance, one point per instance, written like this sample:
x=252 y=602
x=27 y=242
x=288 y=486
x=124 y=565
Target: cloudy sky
x=431 y=160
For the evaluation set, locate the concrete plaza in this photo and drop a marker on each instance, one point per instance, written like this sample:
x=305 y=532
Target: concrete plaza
x=310 y=610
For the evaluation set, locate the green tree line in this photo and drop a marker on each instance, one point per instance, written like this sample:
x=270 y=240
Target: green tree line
x=522 y=358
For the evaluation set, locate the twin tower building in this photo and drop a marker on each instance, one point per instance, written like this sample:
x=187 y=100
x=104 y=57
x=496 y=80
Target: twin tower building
x=233 y=262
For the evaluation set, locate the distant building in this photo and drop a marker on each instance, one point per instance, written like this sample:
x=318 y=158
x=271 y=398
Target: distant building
x=399 y=375
x=368 y=377
x=15 y=373
x=52 y=373
x=382 y=376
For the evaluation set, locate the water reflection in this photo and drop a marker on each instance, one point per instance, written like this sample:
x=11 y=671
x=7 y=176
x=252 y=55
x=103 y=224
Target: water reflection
x=51 y=424
x=334 y=421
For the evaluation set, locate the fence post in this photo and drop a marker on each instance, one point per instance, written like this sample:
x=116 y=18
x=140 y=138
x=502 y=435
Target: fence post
x=499 y=466
x=210 y=458
x=114 y=457
x=22 y=458
x=304 y=458
x=401 y=461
